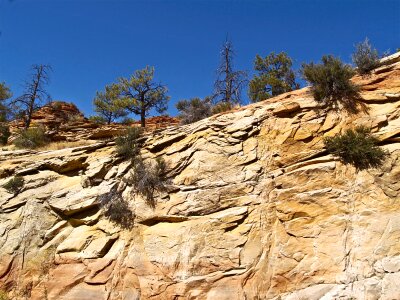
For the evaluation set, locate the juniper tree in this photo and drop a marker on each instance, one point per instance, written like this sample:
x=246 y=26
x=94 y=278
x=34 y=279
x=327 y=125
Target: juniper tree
x=275 y=77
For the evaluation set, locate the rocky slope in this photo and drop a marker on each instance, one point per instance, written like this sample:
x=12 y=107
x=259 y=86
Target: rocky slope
x=256 y=209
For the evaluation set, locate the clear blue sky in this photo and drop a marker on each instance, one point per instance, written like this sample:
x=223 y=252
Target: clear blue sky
x=91 y=43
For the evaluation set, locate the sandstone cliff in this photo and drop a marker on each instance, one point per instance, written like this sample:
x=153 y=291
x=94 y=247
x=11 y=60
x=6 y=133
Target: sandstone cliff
x=256 y=209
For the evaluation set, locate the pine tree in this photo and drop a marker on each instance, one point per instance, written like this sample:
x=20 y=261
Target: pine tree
x=140 y=93
x=108 y=104
x=275 y=77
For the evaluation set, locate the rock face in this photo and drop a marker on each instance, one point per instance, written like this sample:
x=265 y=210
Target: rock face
x=64 y=122
x=256 y=209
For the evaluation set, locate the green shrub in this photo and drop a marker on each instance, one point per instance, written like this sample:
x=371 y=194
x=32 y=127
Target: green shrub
x=193 y=110
x=148 y=177
x=365 y=57
x=4 y=134
x=98 y=119
x=356 y=147
x=31 y=138
x=128 y=145
x=221 y=107
x=128 y=121
x=57 y=106
x=330 y=83
x=14 y=185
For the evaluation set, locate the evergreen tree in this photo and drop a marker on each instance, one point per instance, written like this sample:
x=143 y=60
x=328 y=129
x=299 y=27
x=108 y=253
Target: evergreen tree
x=108 y=104
x=5 y=94
x=140 y=93
x=275 y=77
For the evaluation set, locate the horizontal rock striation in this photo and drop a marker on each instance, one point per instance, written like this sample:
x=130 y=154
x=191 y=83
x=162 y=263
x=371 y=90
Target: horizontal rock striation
x=255 y=209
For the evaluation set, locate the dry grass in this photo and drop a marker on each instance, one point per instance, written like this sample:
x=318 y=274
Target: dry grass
x=64 y=145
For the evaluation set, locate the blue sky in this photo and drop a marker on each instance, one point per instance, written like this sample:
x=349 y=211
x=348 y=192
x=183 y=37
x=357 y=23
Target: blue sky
x=91 y=43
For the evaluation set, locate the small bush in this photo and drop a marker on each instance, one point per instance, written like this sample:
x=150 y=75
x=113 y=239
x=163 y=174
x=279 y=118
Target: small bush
x=128 y=121
x=356 y=147
x=330 y=83
x=31 y=138
x=194 y=110
x=4 y=134
x=147 y=178
x=14 y=185
x=116 y=209
x=98 y=119
x=128 y=145
x=221 y=107
x=365 y=57
x=57 y=106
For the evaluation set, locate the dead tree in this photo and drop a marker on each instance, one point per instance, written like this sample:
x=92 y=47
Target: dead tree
x=229 y=83
x=34 y=95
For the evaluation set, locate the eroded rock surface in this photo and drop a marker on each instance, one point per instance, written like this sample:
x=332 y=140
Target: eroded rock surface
x=256 y=209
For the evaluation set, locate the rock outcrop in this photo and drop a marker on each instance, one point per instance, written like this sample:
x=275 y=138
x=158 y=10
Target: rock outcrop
x=256 y=209
x=64 y=122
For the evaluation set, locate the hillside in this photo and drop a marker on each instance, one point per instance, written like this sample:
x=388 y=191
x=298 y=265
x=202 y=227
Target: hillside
x=256 y=209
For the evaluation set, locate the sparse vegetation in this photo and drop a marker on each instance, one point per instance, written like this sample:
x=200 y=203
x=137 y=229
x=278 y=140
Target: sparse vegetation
x=128 y=121
x=194 y=110
x=14 y=185
x=365 y=57
x=31 y=138
x=221 y=107
x=98 y=120
x=330 y=83
x=356 y=147
x=57 y=106
x=116 y=209
x=148 y=177
x=275 y=77
x=65 y=144
x=128 y=144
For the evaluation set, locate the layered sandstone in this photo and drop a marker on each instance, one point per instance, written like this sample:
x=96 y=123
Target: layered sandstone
x=255 y=209
x=64 y=122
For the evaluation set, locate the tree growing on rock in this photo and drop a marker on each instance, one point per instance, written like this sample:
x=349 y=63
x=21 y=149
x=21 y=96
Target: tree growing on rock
x=35 y=93
x=275 y=77
x=365 y=57
x=108 y=104
x=194 y=110
x=229 y=83
x=330 y=83
x=140 y=93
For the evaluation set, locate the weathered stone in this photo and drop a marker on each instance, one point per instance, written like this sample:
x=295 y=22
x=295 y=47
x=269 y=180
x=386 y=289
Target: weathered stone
x=254 y=208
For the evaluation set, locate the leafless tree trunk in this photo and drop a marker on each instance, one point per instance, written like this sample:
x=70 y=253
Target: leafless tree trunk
x=228 y=85
x=35 y=93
